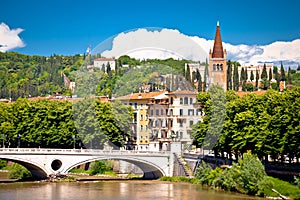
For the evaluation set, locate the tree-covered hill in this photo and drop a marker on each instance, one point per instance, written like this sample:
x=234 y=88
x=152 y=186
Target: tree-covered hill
x=24 y=75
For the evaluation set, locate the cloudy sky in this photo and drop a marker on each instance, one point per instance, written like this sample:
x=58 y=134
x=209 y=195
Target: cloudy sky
x=259 y=31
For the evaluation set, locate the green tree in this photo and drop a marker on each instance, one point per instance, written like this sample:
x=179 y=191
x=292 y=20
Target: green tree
x=235 y=78
x=270 y=74
x=282 y=73
x=251 y=76
x=289 y=78
x=188 y=73
x=256 y=79
x=243 y=76
x=229 y=75
x=264 y=72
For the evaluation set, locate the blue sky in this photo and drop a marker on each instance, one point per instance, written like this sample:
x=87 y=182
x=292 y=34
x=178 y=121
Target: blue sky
x=68 y=26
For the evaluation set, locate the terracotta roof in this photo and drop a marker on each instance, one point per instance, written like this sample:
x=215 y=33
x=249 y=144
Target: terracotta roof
x=218 y=47
x=242 y=94
x=135 y=96
x=105 y=59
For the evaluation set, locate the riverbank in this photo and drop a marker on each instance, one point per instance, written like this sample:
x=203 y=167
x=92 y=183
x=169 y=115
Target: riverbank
x=281 y=190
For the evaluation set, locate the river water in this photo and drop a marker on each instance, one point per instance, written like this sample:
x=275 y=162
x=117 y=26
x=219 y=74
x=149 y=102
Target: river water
x=112 y=190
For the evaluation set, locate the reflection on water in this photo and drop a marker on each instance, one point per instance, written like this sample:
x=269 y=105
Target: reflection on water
x=111 y=190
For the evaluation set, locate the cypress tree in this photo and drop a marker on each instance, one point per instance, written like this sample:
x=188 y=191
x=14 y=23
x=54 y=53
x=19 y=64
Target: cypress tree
x=188 y=73
x=264 y=72
x=229 y=76
x=289 y=76
x=235 y=78
x=282 y=73
x=200 y=83
x=242 y=75
x=251 y=76
x=246 y=74
x=270 y=74
x=256 y=79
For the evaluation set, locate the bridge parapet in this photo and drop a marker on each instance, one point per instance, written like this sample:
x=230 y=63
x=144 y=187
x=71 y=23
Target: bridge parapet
x=81 y=151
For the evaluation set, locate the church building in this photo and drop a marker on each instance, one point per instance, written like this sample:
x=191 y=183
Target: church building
x=217 y=70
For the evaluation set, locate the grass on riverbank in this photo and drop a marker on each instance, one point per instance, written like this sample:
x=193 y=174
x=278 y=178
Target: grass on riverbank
x=283 y=187
x=180 y=179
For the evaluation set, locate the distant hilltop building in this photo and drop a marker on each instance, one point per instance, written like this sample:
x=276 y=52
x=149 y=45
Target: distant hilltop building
x=103 y=63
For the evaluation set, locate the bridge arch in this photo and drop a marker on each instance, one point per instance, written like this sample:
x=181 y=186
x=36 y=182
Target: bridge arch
x=150 y=170
x=35 y=169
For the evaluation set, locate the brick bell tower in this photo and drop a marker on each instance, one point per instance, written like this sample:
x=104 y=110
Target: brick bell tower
x=217 y=71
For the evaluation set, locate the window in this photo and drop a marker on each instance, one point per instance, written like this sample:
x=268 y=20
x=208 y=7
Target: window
x=151 y=112
x=181 y=101
x=191 y=112
x=161 y=112
x=180 y=122
x=157 y=112
x=141 y=106
x=191 y=100
x=141 y=117
x=141 y=129
x=181 y=112
x=146 y=127
x=171 y=100
x=191 y=123
x=147 y=117
x=171 y=112
x=186 y=100
x=171 y=123
x=181 y=135
x=135 y=105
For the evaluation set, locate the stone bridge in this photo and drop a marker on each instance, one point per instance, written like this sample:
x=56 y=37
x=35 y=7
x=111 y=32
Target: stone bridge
x=44 y=162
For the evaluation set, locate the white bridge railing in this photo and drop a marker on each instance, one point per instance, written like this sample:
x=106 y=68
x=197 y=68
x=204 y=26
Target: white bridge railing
x=79 y=151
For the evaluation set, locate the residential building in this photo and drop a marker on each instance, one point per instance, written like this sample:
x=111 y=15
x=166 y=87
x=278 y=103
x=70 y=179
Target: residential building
x=140 y=125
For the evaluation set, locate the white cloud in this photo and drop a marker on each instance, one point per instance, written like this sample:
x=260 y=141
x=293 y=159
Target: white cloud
x=166 y=43
x=9 y=38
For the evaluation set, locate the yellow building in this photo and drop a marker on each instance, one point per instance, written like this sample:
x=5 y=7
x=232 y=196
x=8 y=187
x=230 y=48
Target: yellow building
x=140 y=131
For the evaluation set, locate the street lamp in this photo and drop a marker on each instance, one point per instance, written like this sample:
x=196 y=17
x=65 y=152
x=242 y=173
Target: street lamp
x=73 y=136
x=19 y=141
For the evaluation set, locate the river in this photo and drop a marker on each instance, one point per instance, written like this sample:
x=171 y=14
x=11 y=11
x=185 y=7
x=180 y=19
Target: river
x=112 y=190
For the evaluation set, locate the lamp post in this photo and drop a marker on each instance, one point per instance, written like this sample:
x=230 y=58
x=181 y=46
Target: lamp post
x=19 y=140
x=73 y=136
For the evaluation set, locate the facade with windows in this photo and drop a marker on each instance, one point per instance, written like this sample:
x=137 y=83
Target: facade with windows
x=140 y=130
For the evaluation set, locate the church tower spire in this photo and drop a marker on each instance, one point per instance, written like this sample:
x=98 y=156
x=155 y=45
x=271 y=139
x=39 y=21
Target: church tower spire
x=217 y=70
x=218 y=47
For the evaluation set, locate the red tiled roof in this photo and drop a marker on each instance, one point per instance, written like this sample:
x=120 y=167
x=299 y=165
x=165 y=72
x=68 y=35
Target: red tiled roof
x=146 y=95
x=218 y=47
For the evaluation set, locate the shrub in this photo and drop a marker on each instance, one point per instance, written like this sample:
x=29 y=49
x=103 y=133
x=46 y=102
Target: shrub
x=19 y=172
x=99 y=167
x=203 y=172
x=2 y=164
